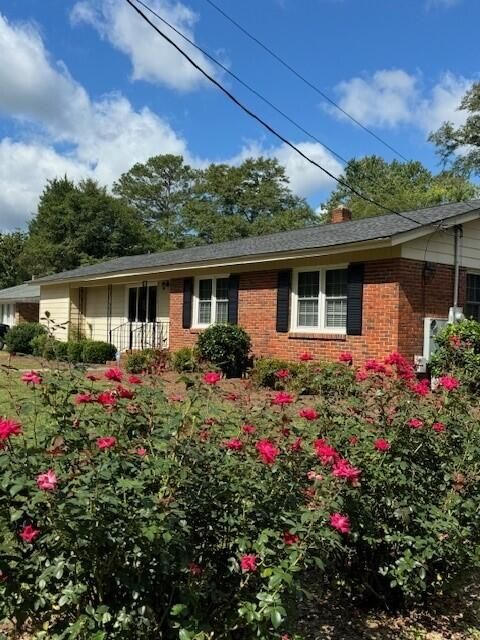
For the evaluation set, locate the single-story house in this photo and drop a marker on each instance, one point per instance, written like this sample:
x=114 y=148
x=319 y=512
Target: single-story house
x=364 y=286
x=20 y=304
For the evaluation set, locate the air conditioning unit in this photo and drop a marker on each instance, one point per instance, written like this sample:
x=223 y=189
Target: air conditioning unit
x=431 y=328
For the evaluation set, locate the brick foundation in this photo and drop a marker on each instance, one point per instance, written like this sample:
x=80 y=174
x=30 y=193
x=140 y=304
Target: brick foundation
x=398 y=293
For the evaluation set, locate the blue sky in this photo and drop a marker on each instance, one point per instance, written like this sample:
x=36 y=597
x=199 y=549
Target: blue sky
x=88 y=89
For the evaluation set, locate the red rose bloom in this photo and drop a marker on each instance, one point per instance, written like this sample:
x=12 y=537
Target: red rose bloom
x=455 y=342
x=134 y=380
x=353 y=440
x=345 y=357
x=211 y=377
x=106 y=442
x=248 y=429
x=233 y=397
x=282 y=397
x=449 y=383
x=297 y=444
x=415 y=423
x=325 y=452
x=9 y=428
x=438 y=427
x=343 y=469
x=125 y=393
x=360 y=376
x=421 y=388
x=234 y=444
x=195 y=569
x=31 y=377
x=282 y=374
x=29 y=533
x=107 y=399
x=83 y=398
x=381 y=444
x=306 y=356
x=267 y=451
x=141 y=451
x=308 y=413
x=248 y=562
x=114 y=374
x=92 y=377
x=290 y=538
x=340 y=522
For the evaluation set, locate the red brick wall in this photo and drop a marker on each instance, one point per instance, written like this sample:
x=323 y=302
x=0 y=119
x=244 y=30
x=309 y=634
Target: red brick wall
x=395 y=300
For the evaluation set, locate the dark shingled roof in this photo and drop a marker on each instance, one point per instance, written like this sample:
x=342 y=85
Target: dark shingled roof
x=22 y=293
x=316 y=237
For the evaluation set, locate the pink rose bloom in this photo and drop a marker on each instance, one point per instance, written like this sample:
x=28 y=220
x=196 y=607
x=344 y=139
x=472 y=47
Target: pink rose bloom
x=325 y=452
x=83 y=398
x=211 y=377
x=415 y=423
x=306 y=356
x=340 y=522
x=31 y=377
x=107 y=399
x=438 y=427
x=345 y=357
x=353 y=440
x=360 y=376
x=115 y=375
x=421 y=388
x=248 y=429
x=449 y=383
x=134 y=380
x=29 y=533
x=282 y=374
x=141 y=451
x=47 y=481
x=282 y=397
x=106 y=442
x=9 y=428
x=308 y=413
x=248 y=562
x=381 y=444
x=234 y=444
x=313 y=476
x=343 y=469
x=176 y=397
x=267 y=451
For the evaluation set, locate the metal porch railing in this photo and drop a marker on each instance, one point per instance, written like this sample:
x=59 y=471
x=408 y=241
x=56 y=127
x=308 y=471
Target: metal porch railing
x=136 y=336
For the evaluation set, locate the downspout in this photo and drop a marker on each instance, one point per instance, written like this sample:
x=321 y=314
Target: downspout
x=457 y=248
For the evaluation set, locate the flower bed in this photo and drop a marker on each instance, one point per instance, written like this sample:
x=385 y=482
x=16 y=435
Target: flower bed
x=129 y=513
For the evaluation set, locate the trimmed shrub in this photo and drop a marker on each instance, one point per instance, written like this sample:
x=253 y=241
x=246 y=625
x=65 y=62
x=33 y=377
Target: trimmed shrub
x=227 y=346
x=97 y=352
x=459 y=352
x=265 y=372
x=45 y=346
x=185 y=360
x=137 y=362
x=75 y=350
x=19 y=339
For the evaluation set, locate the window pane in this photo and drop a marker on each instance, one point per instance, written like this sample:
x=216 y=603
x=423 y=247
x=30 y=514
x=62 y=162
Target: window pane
x=472 y=311
x=307 y=313
x=132 y=304
x=308 y=284
x=204 y=312
x=142 y=304
x=222 y=289
x=336 y=312
x=473 y=287
x=152 y=304
x=205 y=290
x=222 y=311
x=336 y=283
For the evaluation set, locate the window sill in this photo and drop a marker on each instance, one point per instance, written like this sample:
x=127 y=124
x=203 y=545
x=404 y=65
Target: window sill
x=300 y=335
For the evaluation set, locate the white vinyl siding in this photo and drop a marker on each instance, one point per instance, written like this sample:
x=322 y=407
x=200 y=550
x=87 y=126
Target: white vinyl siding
x=55 y=299
x=319 y=300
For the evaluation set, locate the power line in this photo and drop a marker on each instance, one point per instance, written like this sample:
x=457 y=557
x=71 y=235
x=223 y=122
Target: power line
x=265 y=124
x=304 y=79
x=242 y=82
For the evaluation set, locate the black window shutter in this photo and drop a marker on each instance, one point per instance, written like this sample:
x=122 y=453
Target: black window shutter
x=283 y=300
x=187 y=302
x=233 y=286
x=355 y=275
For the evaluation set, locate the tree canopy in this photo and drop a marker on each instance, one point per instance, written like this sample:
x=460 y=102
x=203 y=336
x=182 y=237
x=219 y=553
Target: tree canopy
x=459 y=146
x=11 y=270
x=397 y=185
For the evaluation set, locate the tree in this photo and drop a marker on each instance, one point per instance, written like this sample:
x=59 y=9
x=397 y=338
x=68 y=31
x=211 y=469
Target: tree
x=158 y=191
x=396 y=185
x=78 y=224
x=460 y=146
x=251 y=199
x=11 y=270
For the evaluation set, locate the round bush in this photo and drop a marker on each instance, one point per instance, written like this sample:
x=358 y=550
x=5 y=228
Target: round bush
x=19 y=338
x=75 y=350
x=185 y=360
x=97 y=352
x=45 y=346
x=227 y=346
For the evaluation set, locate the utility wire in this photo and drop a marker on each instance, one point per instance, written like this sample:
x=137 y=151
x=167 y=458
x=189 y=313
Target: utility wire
x=265 y=124
x=242 y=82
x=303 y=78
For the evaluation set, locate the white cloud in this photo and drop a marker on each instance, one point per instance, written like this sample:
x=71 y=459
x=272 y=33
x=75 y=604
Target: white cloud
x=153 y=59
x=390 y=98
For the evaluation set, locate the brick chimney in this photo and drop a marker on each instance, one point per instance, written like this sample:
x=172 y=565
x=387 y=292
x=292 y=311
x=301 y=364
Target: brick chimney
x=341 y=214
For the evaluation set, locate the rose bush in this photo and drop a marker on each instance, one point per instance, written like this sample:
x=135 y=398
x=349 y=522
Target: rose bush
x=128 y=513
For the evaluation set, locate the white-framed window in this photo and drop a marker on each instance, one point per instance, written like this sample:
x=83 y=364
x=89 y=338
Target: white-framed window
x=210 y=300
x=319 y=300
x=472 y=302
x=142 y=303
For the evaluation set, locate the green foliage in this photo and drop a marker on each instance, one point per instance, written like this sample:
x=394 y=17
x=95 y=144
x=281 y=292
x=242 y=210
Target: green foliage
x=398 y=185
x=75 y=350
x=185 y=360
x=45 y=346
x=97 y=352
x=459 y=352
x=449 y=139
x=264 y=373
x=227 y=346
x=140 y=361
x=11 y=270
x=146 y=539
x=18 y=339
